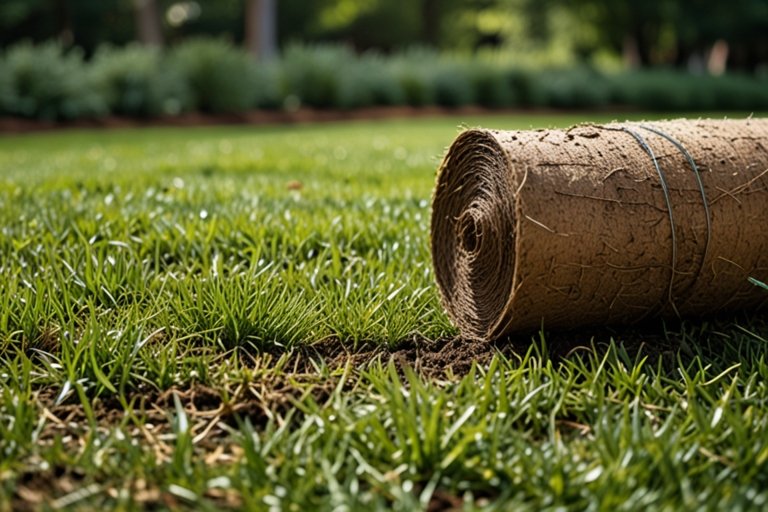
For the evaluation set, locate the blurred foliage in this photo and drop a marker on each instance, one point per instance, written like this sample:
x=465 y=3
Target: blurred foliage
x=221 y=77
x=571 y=88
x=47 y=82
x=671 y=90
x=214 y=76
x=313 y=75
x=140 y=81
x=81 y=22
x=672 y=31
x=678 y=33
x=413 y=73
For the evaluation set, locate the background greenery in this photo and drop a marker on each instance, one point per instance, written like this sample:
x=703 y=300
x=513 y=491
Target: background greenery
x=210 y=75
x=70 y=59
x=662 y=32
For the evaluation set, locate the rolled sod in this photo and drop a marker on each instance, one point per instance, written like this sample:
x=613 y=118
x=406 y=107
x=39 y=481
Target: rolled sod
x=601 y=224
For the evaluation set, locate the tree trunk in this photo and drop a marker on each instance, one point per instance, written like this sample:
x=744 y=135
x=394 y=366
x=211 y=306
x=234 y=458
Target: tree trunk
x=64 y=30
x=430 y=21
x=630 y=53
x=148 y=26
x=718 y=57
x=261 y=28
x=644 y=50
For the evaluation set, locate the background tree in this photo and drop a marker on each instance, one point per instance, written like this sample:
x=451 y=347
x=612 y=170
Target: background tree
x=693 y=34
x=674 y=32
x=261 y=28
x=148 y=26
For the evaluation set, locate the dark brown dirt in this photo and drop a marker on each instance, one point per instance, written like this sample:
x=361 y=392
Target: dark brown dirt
x=454 y=357
x=443 y=357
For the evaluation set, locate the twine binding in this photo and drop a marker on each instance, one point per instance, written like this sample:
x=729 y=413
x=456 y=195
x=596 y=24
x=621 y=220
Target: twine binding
x=665 y=189
x=699 y=181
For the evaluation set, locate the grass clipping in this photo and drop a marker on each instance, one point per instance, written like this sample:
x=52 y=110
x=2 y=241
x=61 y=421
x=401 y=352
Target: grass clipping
x=601 y=224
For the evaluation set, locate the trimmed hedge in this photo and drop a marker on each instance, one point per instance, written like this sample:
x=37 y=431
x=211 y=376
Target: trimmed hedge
x=46 y=82
x=222 y=79
x=210 y=75
x=140 y=81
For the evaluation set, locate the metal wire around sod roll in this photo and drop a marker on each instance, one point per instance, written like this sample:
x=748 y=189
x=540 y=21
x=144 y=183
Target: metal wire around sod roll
x=665 y=189
x=700 y=182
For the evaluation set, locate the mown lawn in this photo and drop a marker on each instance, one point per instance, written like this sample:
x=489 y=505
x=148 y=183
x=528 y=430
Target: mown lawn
x=246 y=317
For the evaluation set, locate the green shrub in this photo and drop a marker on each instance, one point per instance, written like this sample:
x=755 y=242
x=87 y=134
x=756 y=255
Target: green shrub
x=139 y=81
x=414 y=71
x=222 y=78
x=6 y=89
x=332 y=76
x=680 y=91
x=452 y=84
x=210 y=75
x=490 y=85
x=313 y=75
x=417 y=86
x=573 y=88
x=426 y=78
x=761 y=81
x=46 y=82
x=739 y=92
x=523 y=87
x=636 y=88
x=266 y=80
x=662 y=90
x=369 y=81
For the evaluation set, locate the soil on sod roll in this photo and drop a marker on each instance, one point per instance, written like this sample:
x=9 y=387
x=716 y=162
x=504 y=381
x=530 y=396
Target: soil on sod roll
x=601 y=224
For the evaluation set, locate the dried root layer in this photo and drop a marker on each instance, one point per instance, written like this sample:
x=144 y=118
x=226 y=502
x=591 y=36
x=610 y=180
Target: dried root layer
x=601 y=224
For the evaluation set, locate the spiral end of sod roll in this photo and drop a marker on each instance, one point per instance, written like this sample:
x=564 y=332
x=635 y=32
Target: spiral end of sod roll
x=473 y=226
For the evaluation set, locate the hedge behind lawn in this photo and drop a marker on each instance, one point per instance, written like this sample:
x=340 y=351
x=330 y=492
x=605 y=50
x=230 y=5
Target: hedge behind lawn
x=50 y=82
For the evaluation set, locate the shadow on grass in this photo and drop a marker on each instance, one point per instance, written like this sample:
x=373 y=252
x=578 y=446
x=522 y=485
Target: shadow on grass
x=720 y=342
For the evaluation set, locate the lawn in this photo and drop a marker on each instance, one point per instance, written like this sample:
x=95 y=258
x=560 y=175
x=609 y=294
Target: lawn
x=247 y=317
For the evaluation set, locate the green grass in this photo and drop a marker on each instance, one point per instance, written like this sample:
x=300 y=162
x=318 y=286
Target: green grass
x=157 y=290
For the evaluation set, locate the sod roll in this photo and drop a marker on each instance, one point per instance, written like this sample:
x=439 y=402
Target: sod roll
x=601 y=224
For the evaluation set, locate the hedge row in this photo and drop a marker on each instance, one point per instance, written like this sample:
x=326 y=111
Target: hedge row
x=49 y=82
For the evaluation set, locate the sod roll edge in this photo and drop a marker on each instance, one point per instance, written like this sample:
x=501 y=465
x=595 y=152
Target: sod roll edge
x=601 y=224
